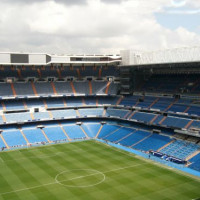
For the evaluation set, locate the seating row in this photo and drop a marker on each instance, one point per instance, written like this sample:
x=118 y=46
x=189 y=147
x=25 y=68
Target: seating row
x=54 y=88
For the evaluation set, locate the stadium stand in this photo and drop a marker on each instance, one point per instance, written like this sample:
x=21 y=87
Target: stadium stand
x=167 y=102
x=117 y=112
x=91 y=129
x=91 y=112
x=54 y=133
x=34 y=135
x=14 y=138
x=182 y=83
x=154 y=142
x=107 y=129
x=180 y=149
x=134 y=138
x=74 y=131
x=195 y=162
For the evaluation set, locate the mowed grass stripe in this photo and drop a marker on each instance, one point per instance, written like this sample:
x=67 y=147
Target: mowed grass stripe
x=28 y=178
x=5 y=186
x=144 y=181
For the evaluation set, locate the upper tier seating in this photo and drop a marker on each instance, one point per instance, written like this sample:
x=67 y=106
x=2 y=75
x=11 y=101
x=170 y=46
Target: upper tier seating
x=47 y=88
x=41 y=115
x=82 y=87
x=5 y=89
x=52 y=103
x=172 y=83
x=89 y=71
x=63 y=113
x=34 y=103
x=117 y=112
x=63 y=88
x=23 y=89
x=18 y=117
x=8 y=72
x=143 y=117
x=63 y=72
x=129 y=101
x=175 y=122
x=91 y=112
x=43 y=88
x=14 y=105
x=74 y=102
x=167 y=104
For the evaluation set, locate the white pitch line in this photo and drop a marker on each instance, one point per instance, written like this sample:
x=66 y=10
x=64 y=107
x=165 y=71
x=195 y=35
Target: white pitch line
x=67 y=180
x=79 y=177
x=98 y=172
x=152 y=162
x=27 y=188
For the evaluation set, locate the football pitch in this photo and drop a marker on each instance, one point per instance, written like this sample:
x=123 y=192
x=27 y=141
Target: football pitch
x=89 y=170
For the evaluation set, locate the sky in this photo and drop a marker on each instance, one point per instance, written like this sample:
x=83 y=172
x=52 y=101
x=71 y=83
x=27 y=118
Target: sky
x=98 y=26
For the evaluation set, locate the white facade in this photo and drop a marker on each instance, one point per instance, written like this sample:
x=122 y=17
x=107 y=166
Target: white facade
x=179 y=55
x=60 y=59
x=45 y=59
x=5 y=58
x=37 y=59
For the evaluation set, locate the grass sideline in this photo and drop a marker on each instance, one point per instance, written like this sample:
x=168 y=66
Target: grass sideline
x=88 y=170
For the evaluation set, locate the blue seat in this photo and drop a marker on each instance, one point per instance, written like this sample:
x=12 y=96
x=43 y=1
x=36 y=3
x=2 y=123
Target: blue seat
x=74 y=131
x=54 y=133
x=34 y=135
x=91 y=129
x=14 y=138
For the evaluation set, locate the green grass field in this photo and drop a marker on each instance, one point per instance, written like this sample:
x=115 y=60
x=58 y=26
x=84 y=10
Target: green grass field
x=89 y=170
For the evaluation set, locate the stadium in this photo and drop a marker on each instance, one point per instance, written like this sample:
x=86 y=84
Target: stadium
x=121 y=126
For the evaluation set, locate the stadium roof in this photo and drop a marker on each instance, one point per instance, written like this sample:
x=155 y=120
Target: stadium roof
x=178 y=55
x=45 y=59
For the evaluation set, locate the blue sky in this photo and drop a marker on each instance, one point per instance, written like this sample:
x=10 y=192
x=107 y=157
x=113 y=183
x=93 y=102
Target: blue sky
x=182 y=16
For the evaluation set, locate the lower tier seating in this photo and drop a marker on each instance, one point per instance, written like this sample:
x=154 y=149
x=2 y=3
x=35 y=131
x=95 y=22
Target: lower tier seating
x=91 y=129
x=132 y=137
x=153 y=142
x=34 y=135
x=74 y=131
x=14 y=138
x=180 y=149
x=195 y=162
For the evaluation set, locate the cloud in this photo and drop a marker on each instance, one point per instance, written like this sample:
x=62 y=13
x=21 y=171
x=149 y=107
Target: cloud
x=28 y=2
x=96 y=27
x=112 y=1
x=178 y=3
x=186 y=12
x=187 y=7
